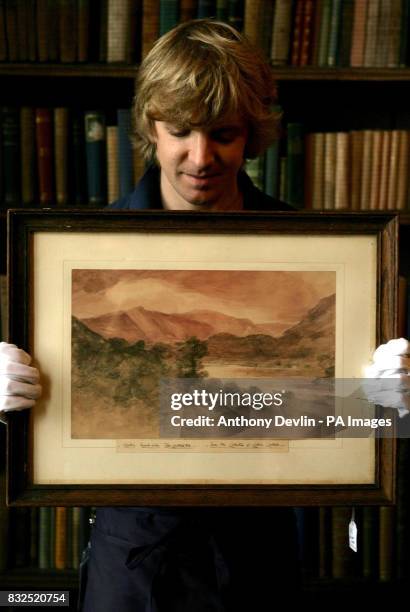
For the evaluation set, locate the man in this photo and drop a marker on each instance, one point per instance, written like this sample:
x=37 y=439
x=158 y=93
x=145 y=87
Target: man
x=203 y=104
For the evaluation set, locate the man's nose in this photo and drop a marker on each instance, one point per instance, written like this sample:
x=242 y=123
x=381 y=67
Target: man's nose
x=202 y=152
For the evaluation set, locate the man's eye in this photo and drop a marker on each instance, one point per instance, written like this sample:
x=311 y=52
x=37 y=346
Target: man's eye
x=224 y=136
x=179 y=133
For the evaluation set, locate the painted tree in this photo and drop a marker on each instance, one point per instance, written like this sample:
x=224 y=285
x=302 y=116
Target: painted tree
x=188 y=358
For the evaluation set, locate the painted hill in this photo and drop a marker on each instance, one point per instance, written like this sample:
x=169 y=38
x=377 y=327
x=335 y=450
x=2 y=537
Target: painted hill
x=153 y=326
x=314 y=335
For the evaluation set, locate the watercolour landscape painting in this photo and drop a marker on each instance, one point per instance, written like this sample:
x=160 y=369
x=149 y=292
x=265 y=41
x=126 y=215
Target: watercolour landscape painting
x=131 y=328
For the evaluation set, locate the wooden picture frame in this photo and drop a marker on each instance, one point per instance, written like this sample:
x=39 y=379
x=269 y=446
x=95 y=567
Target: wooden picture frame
x=46 y=466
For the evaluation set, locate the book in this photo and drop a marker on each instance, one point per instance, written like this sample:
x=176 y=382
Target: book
x=95 y=137
x=83 y=25
x=281 y=32
x=68 y=30
x=386 y=546
x=118 y=32
x=370 y=542
x=113 y=175
x=125 y=155
x=168 y=15
x=45 y=155
x=61 y=155
x=60 y=548
x=10 y=139
x=295 y=169
x=3 y=39
x=28 y=155
x=150 y=25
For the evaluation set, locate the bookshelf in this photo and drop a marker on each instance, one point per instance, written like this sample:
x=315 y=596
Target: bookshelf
x=334 y=98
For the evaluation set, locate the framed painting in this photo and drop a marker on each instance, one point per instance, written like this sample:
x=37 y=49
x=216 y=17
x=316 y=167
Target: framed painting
x=114 y=305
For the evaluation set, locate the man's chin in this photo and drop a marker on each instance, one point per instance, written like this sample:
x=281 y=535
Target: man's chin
x=202 y=199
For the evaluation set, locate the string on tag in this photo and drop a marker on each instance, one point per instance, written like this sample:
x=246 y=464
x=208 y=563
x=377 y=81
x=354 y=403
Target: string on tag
x=353 y=532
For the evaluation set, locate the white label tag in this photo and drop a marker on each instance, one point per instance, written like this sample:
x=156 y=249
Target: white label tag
x=353 y=535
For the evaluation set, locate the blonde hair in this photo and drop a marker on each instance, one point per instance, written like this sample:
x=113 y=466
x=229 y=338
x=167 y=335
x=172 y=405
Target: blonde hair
x=198 y=73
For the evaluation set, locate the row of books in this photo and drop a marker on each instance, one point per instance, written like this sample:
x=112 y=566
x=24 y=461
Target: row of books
x=356 y=33
x=68 y=31
x=324 y=543
x=295 y=32
x=59 y=157
x=358 y=170
x=64 y=157
x=54 y=538
x=47 y=538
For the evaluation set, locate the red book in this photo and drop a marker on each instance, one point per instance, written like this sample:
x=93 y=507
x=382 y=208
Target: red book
x=44 y=142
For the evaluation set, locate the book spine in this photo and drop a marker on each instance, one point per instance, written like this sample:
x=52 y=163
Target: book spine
x=11 y=156
x=297 y=33
x=335 y=19
x=345 y=38
x=44 y=140
x=11 y=28
x=281 y=32
x=386 y=539
x=22 y=30
x=342 y=183
x=60 y=549
x=188 y=9
x=307 y=33
x=118 y=21
x=359 y=33
x=125 y=155
x=68 y=31
x=78 y=161
x=113 y=179
x=95 y=137
x=3 y=38
x=28 y=155
x=324 y=32
x=222 y=10
x=61 y=154
x=53 y=34
x=150 y=25
x=403 y=172
x=168 y=15
x=236 y=12
x=206 y=8
x=83 y=25
x=295 y=166
x=317 y=173
x=272 y=170
x=377 y=138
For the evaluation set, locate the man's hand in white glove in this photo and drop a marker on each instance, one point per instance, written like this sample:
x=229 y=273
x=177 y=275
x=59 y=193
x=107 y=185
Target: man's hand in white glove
x=19 y=382
x=390 y=366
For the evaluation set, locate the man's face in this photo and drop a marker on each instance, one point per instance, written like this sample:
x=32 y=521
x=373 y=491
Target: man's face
x=199 y=167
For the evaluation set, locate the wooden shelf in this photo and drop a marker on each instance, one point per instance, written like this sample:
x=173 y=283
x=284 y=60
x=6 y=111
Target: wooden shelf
x=313 y=73
x=283 y=73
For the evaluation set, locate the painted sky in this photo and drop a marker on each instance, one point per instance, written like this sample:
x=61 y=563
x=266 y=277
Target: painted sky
x=261 y=296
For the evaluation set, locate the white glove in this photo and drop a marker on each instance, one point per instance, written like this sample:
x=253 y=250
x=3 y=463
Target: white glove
x=390 y=364
x=19 y=386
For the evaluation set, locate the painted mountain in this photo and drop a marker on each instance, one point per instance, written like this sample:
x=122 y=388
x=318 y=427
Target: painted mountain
x=153 y=326
x=119 y=357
